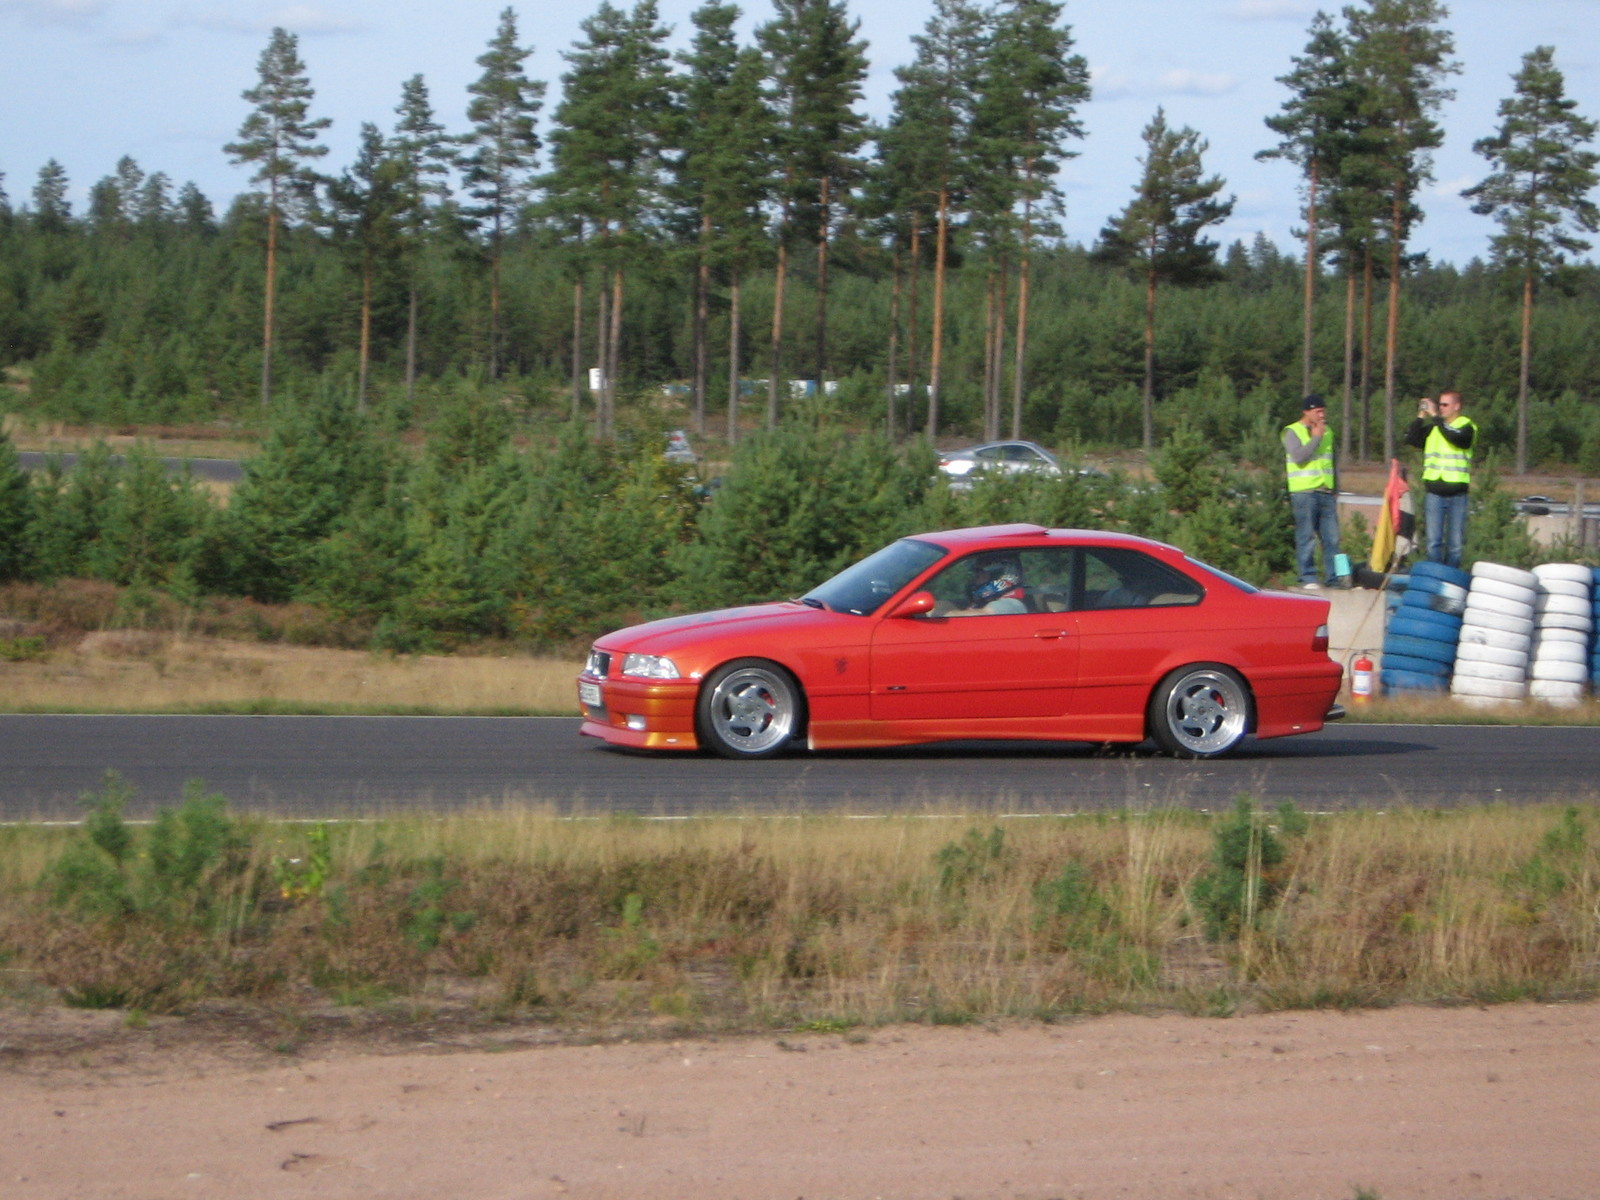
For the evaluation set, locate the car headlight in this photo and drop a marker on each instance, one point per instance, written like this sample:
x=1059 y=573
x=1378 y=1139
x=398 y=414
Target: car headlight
x=650 y=666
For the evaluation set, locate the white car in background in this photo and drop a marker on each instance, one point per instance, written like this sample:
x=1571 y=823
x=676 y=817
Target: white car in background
x=961 y=467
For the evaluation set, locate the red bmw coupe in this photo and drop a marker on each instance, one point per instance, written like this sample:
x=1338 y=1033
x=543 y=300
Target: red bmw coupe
x=1010 y=631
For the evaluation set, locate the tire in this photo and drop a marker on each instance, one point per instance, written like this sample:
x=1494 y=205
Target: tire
x=1200 y=711
x=1560 y=652
x=1566 y=572
x=1443 y=572
x=1507 y=591
x=1410 y=681
x=749 y=708
x=1516 y=575
x=1451 y=597
x=1473 y=652
x=1552 y=692
x=1566 y=587
x=1425 y=623
x=1485 y=618
x=1420 y=647
x=1560 y=672
x=1488 y=670
x=1581 y=622
x=1555 y=602
x=1565 y=637
x=1415 y=666
x=1489 y=689
x=1482 y=635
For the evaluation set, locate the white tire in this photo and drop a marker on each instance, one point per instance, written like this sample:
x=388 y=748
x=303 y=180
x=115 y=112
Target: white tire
x=1486 y=618
x=1564 y=587
x=1478 y=701
x=1561 y=672
x=1493 y=689
x=1473 y=652
x=1552 y=692
x=1506 y=591
x=1582 y=622
x=1555 y=602
x=1489 y=670
x=1483 y=602
x=1500 y=639
x=1566 y=572
x=1562 y=652
x=1549 y=634
x=1505 y=574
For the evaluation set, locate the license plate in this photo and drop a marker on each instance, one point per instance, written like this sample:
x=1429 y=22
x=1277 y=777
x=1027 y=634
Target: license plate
x=589 y=693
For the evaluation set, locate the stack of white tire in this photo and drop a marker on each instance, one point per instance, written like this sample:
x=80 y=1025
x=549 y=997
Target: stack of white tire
x=1496 y=645
x=1564 y=619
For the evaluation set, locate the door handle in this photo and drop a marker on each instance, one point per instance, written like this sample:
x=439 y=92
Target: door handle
x=1049 y=633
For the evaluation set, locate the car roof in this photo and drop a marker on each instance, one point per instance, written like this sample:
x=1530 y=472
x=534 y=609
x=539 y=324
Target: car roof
x=1036 y=535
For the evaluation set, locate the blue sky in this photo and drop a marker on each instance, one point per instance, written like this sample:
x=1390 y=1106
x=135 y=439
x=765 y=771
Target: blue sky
x=86 y=81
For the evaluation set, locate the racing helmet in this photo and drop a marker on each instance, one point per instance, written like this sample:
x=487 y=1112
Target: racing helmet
x=994 y=578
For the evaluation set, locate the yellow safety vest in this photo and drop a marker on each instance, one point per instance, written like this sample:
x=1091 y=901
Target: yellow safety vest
x=1444 y=462
x=1317 y=471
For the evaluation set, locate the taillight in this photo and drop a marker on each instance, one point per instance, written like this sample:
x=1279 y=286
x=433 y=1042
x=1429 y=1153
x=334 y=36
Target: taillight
x=1319 y=639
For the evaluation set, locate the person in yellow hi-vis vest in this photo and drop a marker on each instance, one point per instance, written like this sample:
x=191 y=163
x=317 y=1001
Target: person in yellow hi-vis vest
x=1446 y=437
x=1313 y=493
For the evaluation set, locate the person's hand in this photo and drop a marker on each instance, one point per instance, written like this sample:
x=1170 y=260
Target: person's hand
x=1426 y=408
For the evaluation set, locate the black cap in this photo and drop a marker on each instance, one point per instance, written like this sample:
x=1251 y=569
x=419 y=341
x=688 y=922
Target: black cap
x=1310 y=402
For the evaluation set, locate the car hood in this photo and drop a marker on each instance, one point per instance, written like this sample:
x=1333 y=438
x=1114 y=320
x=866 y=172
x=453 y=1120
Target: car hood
x=763 y=620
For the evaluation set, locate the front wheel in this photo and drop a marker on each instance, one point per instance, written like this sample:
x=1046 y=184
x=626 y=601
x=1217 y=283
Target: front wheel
x=1200 y=711
x=750 y=708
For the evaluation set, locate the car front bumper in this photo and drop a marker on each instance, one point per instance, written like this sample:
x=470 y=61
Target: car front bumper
x=644 y=714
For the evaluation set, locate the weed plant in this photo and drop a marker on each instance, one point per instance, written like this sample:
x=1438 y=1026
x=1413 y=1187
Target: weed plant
x=816 y=921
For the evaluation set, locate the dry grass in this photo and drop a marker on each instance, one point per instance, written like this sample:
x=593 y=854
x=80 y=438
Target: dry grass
x=738 y=923
x=135 y=671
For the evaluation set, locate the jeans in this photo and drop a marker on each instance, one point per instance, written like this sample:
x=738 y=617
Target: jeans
x=1316 y=515
x=1445 y=519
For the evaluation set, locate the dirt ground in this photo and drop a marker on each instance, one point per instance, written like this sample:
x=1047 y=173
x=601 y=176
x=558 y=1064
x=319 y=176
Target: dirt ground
x=1453 y=1103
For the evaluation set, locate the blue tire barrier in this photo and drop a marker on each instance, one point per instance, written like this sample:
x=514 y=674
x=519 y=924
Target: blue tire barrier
x=1416 y=666
x=1415 y=603
x=1448 y=574
x=1410 y=681
x=1425 y=623
x=1420 y=647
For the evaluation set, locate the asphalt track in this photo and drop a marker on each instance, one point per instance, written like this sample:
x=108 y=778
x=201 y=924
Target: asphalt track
x=217 y=470
x=334 y=766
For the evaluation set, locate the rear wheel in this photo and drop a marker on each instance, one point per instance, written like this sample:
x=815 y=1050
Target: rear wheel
x=1199 y=711
x=750 y=708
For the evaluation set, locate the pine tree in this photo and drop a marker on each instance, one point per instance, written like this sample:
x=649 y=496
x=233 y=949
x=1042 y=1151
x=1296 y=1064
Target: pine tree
x=425 y=154
x=608 y=150
x=1539 y=189
x=16 y=513
x=722 y=178
x=367 y=208
x=1028 y=110
x=1157 y=236
x=1399 y=58
x=1313 y=129
x=280 y=139
x=52 y=211
x=497 y=172
x=816 y=63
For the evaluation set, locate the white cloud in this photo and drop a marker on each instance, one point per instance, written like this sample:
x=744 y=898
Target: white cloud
x=296 y=18
x=1268 y=10
x=1107 y=84
x=1185 y=82
x=1450 y=189
x=56 y=12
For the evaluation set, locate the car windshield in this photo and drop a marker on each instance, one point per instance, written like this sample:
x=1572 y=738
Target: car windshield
x=863 y=588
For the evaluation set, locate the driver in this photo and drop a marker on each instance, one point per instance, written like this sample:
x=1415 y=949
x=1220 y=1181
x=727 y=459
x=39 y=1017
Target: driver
x=996 y=588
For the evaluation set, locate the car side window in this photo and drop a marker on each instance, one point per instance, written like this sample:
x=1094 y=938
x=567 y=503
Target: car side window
x=1119 y=578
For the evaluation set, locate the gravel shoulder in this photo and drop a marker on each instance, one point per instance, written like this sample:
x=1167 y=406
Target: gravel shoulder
x=1453 y=1103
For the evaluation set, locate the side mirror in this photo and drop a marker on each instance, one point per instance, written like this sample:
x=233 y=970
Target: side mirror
x=914 y=605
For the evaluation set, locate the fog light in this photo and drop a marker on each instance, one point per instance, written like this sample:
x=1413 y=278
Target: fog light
x=635 y=723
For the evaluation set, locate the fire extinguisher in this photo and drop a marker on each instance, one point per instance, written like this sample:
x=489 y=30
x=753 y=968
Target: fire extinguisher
x=1361 y=677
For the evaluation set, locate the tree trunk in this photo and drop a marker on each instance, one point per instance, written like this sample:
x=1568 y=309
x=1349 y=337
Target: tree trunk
x=1150 y=361
x=913 y=393
x=936 y=352
x=822 y=284
x=1309 y=299
x=602 y=341
x=270 y=301
x=411 y=345
x=1366 y=351
x=1349 y=356
x=702 y=306
x=614 y=352
x=364 y=350
x=1022 y=303
x=775 y=360
x=577 y=347
x=991 y=418
x=894 y=346
x=494 y=302
x=1000 y=347
x=1522 y=374
x=733 y=358
x=1391 y=327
